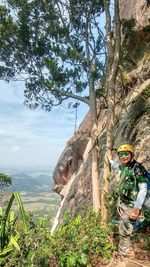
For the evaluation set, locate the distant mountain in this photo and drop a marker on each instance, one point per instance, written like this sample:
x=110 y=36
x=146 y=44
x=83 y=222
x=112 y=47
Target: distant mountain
x=29 y=181
x=35 y=191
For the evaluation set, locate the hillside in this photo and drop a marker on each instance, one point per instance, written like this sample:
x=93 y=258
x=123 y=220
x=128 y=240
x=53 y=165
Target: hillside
x=35 y=191
x=28 y=183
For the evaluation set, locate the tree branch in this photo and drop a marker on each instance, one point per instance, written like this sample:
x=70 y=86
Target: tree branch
x=67 y=94
x=114 y=67
x=108 y=28
x=69 y=39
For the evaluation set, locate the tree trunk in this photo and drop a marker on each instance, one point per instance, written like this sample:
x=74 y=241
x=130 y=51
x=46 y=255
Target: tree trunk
x=112 y=68
x=94 y=135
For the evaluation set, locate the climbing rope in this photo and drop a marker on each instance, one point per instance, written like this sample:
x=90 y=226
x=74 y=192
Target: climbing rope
x=76 y=115
x=75 y=106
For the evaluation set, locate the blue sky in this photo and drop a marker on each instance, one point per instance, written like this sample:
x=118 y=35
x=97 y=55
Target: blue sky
x=32 y=138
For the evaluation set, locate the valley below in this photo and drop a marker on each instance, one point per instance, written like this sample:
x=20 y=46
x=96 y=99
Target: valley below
x=35 y=191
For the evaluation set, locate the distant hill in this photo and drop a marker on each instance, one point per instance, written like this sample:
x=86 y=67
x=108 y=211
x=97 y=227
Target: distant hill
x=30 y=181
x=35 y=191
x=41 y=183
x=29 y=184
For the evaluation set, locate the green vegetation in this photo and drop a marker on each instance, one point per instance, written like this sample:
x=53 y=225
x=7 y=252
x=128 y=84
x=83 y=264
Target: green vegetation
x=128 y=27
x=146 y=104
x=81 y=241
x=33 y=44
x=146 y=91
x=5 y=181
x=139 y=39
x=146 y=57
x=8 y=233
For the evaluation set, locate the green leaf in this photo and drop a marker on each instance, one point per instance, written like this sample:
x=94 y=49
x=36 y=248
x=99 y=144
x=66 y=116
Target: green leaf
x=83 y=259
x=13 y=241
x=71 y=261
x=4 y=221
x=12 y=216
x=22 y=212
x=108 y=246
x=6 y=250
x=1 y=211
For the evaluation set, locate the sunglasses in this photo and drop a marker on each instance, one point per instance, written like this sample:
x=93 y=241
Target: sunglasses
x=121 y=154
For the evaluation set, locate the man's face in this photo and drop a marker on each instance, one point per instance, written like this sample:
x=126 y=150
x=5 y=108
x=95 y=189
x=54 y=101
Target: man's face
x=125 y=157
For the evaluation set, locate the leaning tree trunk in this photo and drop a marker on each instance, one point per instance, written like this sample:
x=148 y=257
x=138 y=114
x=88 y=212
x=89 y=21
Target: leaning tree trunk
x=94 y=124
x=112 y=68
x=94 y=135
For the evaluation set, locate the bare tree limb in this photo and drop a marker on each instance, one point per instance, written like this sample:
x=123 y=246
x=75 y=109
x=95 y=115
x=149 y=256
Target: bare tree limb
x=69 y=95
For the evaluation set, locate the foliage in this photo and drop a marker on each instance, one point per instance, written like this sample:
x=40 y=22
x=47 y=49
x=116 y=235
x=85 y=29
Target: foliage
x=137 y=38
x=128 y=28
x=145 y=99
x=126 y=78
x=146 y=91
x=8 y=232
x=146 y=57
x=5 y=181
x=53 y=47
x=142 y=237
x=7 y=43
x=79 y=242
x=8 y=236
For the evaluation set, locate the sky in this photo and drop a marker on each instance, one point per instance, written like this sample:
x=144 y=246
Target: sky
x=32 y=138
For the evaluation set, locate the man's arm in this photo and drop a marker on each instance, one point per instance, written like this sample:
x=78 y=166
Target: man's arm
x=139 y=201
x=141 y=195
x=140 y=174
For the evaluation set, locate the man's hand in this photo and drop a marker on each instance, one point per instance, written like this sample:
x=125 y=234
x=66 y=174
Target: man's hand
x=134 y=213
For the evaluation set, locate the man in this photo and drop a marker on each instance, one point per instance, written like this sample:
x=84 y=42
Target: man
x=132 y=190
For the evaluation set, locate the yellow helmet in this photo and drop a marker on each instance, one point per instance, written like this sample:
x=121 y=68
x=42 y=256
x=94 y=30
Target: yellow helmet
x=125 y=147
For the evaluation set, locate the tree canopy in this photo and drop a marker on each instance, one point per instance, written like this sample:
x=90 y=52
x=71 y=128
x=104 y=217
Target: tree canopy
x=53 y=46
x=5 y=181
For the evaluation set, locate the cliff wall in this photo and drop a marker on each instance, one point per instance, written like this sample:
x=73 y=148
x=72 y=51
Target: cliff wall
x=137 y=9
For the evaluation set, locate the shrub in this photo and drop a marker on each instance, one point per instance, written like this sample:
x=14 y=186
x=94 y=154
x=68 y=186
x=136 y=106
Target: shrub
x=81 y=241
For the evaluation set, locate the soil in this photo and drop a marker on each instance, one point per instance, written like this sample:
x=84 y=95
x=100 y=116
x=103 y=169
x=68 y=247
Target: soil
x=139 y=253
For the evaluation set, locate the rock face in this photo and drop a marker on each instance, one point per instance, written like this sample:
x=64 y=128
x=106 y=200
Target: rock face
x=72 y=174
x=76 y=191
x=137 y=9
x=72 y=156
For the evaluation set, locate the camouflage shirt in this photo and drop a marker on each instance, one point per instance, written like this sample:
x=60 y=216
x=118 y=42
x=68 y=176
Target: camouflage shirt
x=131 y=174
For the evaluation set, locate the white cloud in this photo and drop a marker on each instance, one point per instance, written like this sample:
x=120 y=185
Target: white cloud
x=32 y=138
x=15 y=149
x=2 y=131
